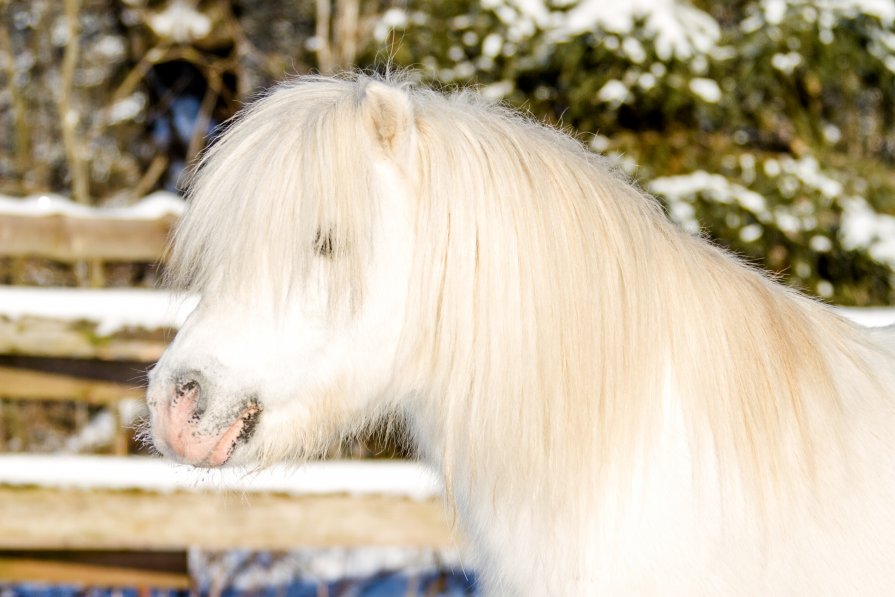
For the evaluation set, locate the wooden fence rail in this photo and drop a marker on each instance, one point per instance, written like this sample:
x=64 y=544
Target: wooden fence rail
x=58 y=229
x=85 y=519
x=70 y=239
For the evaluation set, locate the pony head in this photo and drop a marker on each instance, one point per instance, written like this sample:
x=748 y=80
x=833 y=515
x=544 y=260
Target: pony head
x=297 y=240
x=366 y=249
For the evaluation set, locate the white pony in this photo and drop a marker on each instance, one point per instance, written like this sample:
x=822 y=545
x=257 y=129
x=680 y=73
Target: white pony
x=615 y=407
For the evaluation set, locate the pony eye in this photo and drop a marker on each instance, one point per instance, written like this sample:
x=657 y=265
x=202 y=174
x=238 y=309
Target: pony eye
x=323 y=244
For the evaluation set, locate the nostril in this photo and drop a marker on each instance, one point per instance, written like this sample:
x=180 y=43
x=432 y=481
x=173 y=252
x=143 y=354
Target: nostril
x=186 y=388
x=188 y=395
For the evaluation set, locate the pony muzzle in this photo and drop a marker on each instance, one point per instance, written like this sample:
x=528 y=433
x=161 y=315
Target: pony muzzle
x=189 y=433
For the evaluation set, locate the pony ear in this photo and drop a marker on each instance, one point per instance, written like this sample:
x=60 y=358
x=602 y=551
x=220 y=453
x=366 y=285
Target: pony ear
x=388 y=114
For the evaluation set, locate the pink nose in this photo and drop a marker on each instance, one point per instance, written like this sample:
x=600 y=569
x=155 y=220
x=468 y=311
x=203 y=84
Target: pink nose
x=181 y=434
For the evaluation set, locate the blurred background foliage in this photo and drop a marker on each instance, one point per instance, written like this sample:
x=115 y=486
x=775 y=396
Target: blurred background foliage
x=767 y=125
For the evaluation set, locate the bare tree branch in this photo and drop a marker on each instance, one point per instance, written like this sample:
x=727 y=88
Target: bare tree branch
x=203 y=118
x=347 y=32
x=22 y=142
x=67 y=113
x=324 y=50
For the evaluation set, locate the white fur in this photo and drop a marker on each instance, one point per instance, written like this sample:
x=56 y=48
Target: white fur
x=616 y=408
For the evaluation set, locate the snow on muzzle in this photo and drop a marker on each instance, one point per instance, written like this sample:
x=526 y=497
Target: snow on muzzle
x=187 y=426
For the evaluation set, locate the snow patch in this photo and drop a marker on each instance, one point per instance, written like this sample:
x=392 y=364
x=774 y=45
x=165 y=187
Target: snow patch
x=180 y=22
x=634 y=50
x=786 y=63
x=827 y=12
x=614 y=92
x=685 y=188
x=393 y=18
x=600 y=143
x=820 y=244
x=126 y=109
x=707 y=89
x=807 y=170
x=492 y=45
x=774 y=11
x=678 y=28
x=864 y=228
x=100 y=430
x=751 y=233
x=497 y=91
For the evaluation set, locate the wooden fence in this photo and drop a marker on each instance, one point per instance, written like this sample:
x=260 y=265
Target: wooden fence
x=97 y=524
x=138 y=538
x=44 y=357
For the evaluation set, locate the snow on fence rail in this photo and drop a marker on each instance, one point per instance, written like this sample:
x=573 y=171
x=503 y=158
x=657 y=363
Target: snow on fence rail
x=107 y=324
x=56 y=228
x=396 y=478
x=140 y=503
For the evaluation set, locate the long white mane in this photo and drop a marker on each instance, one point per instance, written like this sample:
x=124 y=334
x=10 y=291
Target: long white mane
x=552 y=305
